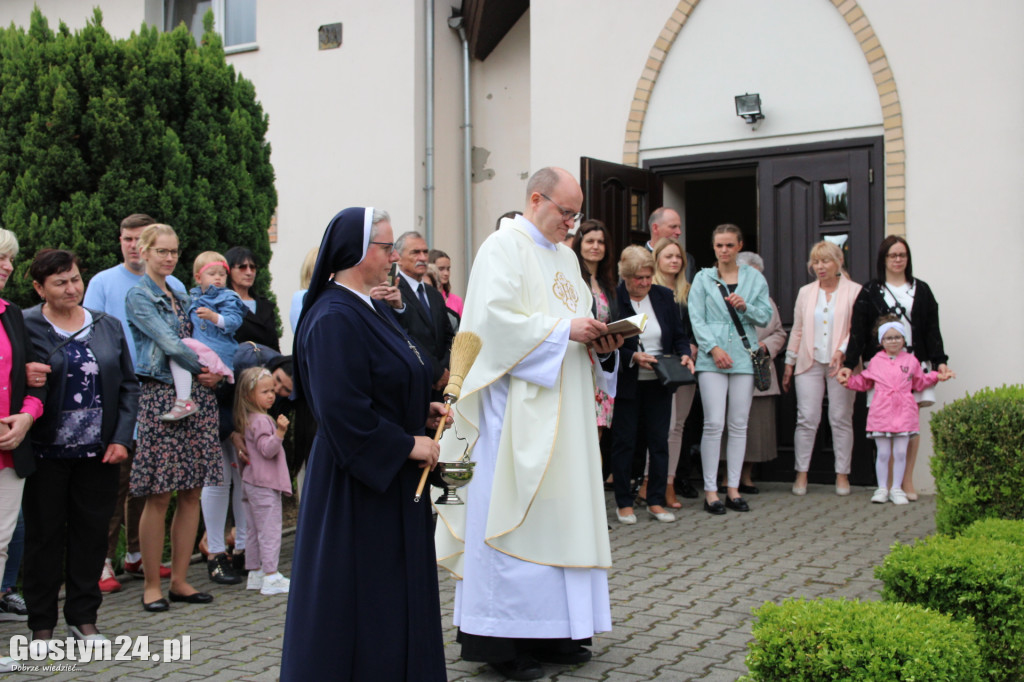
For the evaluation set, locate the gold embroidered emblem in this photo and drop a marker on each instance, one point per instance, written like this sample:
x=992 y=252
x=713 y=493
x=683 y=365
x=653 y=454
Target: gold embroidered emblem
x=565 y=292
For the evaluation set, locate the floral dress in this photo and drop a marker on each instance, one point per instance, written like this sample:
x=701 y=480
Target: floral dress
x=81 y=417
x=605 y=403
x=178 y=455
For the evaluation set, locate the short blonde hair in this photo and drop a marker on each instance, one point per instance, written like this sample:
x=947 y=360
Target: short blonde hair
x=825 y=250
x=306 y=271
x=150 y=234
x=634 y=259
x=8 y=243
x=206 y=258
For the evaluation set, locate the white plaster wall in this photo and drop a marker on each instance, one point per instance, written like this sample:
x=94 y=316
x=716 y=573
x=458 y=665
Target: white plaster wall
x=501 y=124
x=586 y=57
x=798 y=54
x=958 y=67
x=342 y=122
x=448 y=174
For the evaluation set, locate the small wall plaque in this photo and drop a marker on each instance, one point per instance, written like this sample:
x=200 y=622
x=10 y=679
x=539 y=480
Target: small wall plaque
x=330 y=36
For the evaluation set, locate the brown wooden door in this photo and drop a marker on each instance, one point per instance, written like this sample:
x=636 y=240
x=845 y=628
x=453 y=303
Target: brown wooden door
x=620 y=196
x=805 y=198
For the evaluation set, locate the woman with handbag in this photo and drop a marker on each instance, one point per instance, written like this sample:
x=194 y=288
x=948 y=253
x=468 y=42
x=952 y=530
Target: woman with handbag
x=816 y=352
x=670 y=271
x=896 y=291
x=726 y=303
x=641 y=398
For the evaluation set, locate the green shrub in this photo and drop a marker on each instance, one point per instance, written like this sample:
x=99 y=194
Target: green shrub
x=969 y=578
x=854 y=640
x=94 y=128
x=979 y=458
x=1004 y=530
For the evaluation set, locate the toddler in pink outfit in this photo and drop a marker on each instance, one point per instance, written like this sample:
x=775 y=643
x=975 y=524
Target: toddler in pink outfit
x=893 y=416
x=264 y=479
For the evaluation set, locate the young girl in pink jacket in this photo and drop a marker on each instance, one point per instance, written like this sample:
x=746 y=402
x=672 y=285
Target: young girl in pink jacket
x=264 y=479
x=893 y=416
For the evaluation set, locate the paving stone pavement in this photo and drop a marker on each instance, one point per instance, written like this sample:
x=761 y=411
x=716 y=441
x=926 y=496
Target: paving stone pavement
x=681 y=595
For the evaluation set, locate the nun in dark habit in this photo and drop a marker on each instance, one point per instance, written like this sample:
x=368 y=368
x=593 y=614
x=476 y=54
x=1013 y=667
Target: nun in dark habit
x=364 y=601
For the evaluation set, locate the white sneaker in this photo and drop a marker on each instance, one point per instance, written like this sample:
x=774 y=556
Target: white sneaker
x=255 y=580
x=275 y=583
x=8 y=664
x=898 y=496
x=881 y=496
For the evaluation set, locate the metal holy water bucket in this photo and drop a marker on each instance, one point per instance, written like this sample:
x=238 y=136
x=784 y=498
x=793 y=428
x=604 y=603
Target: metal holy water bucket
x=455 y=475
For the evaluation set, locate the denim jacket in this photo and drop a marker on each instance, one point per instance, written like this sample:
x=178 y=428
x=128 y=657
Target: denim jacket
x=154 y=328
x=226 y=303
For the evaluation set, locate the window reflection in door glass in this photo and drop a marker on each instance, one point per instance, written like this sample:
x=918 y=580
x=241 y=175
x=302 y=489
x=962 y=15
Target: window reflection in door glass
x=843 y=242
x=835 y=201
x=638 y=212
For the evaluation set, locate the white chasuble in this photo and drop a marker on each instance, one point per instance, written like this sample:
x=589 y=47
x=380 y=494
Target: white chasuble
x=530 y=546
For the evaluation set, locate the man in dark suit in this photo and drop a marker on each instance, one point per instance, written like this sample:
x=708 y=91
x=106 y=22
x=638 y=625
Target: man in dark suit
x=424 y=315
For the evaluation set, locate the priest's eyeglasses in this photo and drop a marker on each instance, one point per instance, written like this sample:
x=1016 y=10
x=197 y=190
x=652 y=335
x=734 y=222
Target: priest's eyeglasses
x=566 y=213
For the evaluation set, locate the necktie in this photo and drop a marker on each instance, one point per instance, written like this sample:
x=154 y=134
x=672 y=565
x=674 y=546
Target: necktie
x=423 y=298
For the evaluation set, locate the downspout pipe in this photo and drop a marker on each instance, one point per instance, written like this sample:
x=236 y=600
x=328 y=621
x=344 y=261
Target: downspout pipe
x=456 y=23
x=428 y=189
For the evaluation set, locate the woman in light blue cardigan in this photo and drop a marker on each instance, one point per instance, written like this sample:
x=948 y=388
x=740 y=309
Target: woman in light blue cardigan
x=725 y=372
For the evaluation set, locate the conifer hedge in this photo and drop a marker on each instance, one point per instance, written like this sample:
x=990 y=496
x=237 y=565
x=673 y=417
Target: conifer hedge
x=94 y=128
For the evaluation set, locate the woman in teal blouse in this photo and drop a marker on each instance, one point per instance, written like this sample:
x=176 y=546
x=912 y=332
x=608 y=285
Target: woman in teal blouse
x=725 y=372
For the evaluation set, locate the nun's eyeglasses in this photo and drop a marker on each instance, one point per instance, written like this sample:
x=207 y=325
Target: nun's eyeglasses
x=389 y=246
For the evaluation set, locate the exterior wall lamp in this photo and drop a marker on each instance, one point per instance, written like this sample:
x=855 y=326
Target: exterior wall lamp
x=748 y=107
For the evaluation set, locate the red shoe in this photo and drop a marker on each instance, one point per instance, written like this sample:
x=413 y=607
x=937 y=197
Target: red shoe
x=108 y=583
x=134 y=568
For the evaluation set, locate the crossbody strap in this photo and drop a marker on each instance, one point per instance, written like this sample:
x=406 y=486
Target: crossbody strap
x=735 y=318
x=96 y=318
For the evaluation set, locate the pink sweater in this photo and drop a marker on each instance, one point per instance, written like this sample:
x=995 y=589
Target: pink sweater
x=267 y=466
x=894 y=408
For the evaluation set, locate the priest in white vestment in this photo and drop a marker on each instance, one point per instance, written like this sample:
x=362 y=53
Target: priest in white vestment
x=530 y=547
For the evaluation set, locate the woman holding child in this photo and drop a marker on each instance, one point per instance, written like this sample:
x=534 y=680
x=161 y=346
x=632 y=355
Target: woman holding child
x=180 y=456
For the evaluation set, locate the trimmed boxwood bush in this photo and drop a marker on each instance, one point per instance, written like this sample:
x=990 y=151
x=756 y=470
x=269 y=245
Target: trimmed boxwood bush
x=978 y=463
x=1004 y=530
x=969 y=578
x=853 y=640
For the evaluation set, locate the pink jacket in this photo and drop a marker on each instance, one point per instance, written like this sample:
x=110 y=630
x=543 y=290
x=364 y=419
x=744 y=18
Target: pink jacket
x=267 y=466
x=894 y=408
x=801 y=338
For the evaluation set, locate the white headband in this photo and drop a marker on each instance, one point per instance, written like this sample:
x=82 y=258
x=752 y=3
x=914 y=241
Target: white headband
x=891 y=325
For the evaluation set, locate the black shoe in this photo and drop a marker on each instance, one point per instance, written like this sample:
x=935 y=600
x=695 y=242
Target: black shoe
x=716 y=507
x=749 y=489
x=737 y=504
x=579 y=655
x=520 y=668
x=155 y=606
x=220 y=570
x=194 y=598
x=686 y=489
x=238 y=563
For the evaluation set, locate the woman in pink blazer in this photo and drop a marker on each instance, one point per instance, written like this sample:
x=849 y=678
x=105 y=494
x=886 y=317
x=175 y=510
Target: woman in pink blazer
x=816 y=352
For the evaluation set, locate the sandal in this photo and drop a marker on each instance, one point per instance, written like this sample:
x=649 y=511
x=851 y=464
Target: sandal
x=181 y=409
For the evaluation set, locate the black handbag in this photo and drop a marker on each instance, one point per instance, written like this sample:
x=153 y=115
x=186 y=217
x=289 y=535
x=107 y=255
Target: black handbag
x=671 y=374
x=759 y=358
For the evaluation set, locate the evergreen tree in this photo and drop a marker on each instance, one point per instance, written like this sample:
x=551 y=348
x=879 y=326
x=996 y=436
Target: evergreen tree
x=93 y=129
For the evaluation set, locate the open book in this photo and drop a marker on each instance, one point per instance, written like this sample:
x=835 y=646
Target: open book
x=630 y=326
